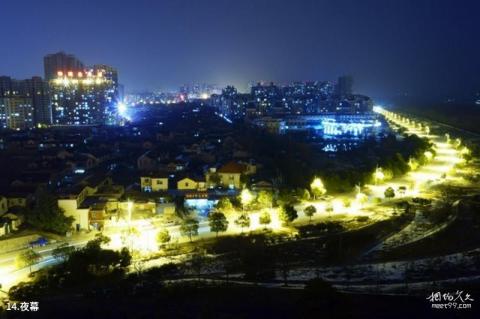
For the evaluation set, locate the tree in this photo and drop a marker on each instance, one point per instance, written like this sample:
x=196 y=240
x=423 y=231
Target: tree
x=130 y=235
x=329 y=209
x=413 y=164
x=265 y=199
x=303 y=194
x=94 y=260
x=288 y=214
x=217 y=222
x=27 y=258
x=215 y=179
x=264 y=219
x=389 y=192
x=46 y=215
x=125 y=258
x=189 y=227
x=224 y=205
x=139 y=266
x=246 y=197
x=163 y=236
x=63 y=251
x=361 y=198
x=310 y=211
x=99 y=240
x=243 y=221
x=287 y=196
x=428 y=155
x=378 y=175
x=317 y=188
x=180 y=209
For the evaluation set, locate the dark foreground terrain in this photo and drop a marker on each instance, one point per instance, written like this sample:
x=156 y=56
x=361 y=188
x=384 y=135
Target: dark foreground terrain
x=199 y=300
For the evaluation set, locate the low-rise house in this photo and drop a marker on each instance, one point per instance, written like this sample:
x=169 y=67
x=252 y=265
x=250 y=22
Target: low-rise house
x=151 y=160
x=186 y=184
x=71 y=200
x=18 y=198
x=146 y=162
x=229 y=175
x=175 y=166
x=98 y=215
x=83 y=161
x=154 y=183
x=191 y=183
x=9 y=222
x=139 y=207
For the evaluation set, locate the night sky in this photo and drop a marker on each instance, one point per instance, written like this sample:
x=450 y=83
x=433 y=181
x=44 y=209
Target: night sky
x=419 y=47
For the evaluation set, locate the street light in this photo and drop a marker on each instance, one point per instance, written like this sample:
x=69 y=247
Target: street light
x=378 y=175
x=413 y=164
x=361 y=198
x=246 y=197
x=458 y=142
x=465 y=151
x=317 y=187
x=428 y=155
x=337 y=205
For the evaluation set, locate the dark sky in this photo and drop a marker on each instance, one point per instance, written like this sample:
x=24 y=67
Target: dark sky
x=419 y=47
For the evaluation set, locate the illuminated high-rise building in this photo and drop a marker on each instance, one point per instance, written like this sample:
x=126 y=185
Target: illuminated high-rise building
x=61 y=62
x=37 y=89
x=113 y=91
x=16 y=113
x=265 y=96
x=81 y=95
x=34 y=89
x=83 y=98
x=109 y=72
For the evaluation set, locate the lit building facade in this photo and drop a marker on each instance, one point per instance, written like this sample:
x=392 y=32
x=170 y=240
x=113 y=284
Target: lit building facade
x=329 y=125
x=296 y=98
x=61 y=61
x=83 y=98
x=37 y=89
x=231 y=104
x=29 y=98
x=16 y=113
x=154 y=183
x=81 y=95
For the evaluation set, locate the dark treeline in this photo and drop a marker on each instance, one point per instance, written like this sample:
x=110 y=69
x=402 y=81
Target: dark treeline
x=294 y=163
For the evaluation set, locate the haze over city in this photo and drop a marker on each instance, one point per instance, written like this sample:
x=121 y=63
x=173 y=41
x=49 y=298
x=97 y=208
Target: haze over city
x=420 y=48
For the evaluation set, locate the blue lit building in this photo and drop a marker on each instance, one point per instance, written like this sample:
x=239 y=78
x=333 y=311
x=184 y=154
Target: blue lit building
x=328 y=125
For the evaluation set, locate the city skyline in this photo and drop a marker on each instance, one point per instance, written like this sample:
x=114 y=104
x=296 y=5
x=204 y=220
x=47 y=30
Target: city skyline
x=239 y=159
x=419 y=48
